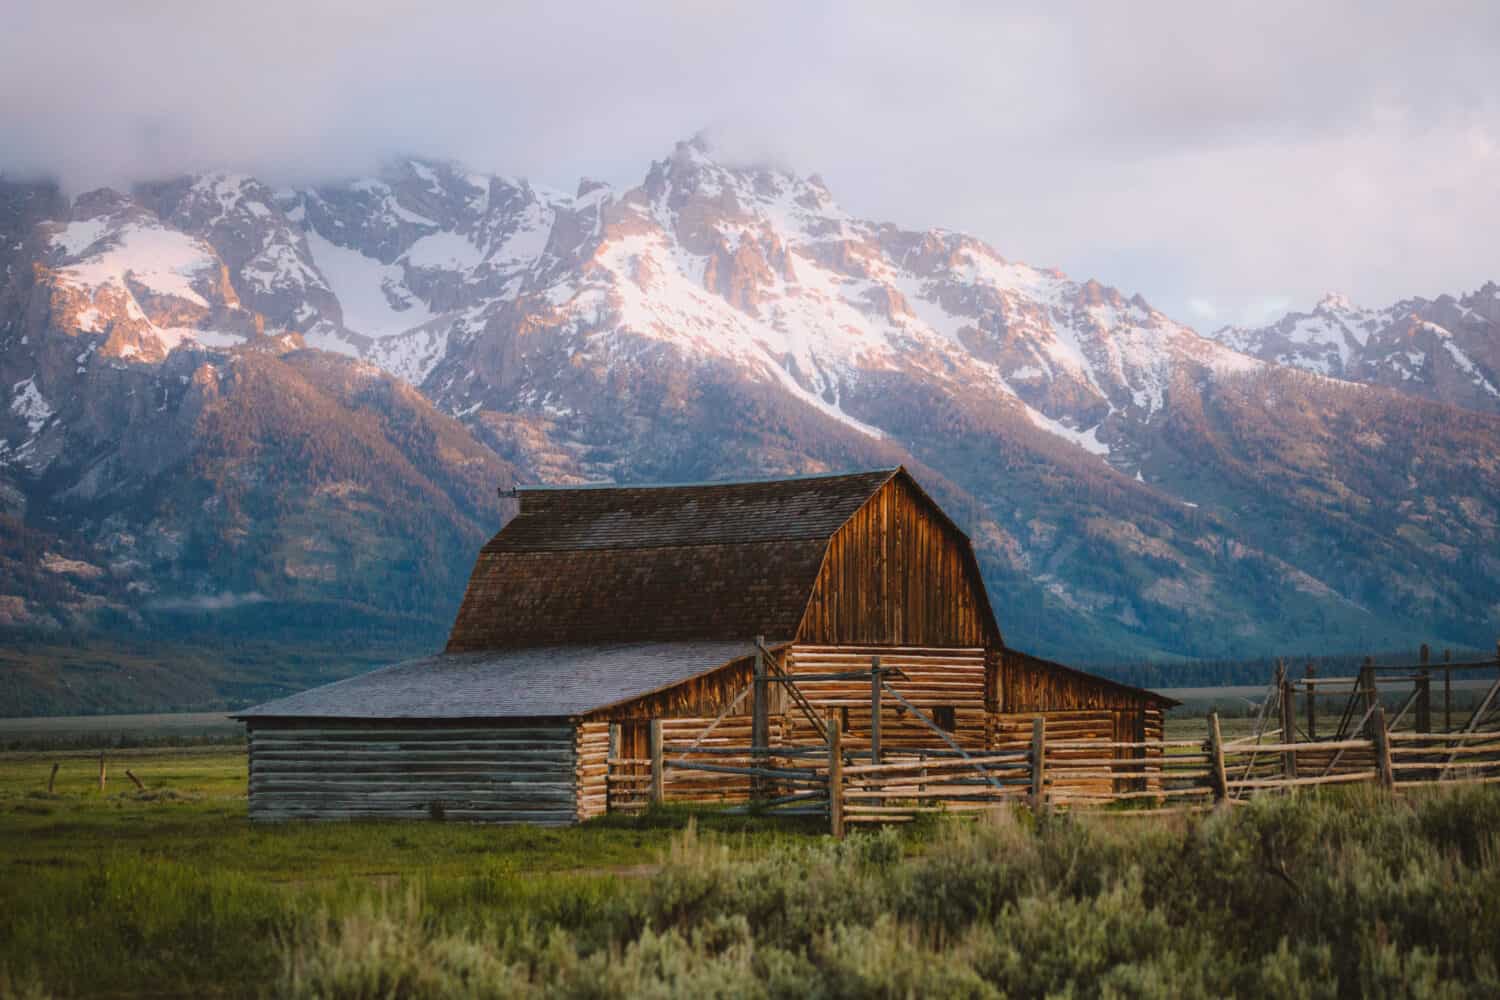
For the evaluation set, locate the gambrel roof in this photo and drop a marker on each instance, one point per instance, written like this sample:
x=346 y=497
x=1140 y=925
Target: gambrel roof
x=710 y=561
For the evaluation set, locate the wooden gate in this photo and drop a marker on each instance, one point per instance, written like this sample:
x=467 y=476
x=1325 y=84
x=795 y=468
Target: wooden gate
x=629 y=776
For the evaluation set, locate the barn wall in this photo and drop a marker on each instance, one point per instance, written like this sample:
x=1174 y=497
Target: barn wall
x=936 y=678
x=705 y=695
x=1024 y=683
x=898 y=574
x=500 y=772
x=1012 y=731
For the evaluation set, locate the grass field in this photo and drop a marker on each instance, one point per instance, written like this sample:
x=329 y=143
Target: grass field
x=171 y=892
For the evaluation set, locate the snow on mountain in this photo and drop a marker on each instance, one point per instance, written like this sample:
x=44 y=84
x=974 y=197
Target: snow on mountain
x=1445 y=348
x=160 y=261
x=116 y=271
x=742 y=265
x=372 y=296
x=726 y=318
x=762 y=270
x=726 y=264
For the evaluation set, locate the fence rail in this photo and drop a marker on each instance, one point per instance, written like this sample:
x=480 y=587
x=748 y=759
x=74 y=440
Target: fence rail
x=1153 y=777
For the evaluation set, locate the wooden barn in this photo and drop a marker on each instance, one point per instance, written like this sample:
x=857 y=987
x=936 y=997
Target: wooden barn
x=598 y=610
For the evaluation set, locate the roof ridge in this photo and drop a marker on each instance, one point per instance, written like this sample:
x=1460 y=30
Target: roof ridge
x=561 y=488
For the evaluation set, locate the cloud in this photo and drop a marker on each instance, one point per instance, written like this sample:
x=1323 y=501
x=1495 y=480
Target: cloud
x=1227 y=152
x=208 y=602
x=1202 y=309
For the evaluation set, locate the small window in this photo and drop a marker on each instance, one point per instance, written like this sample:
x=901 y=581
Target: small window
x=844 y=718
x=944 y=716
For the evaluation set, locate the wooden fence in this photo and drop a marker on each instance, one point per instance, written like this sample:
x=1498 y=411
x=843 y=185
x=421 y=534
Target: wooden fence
x=1151 y=777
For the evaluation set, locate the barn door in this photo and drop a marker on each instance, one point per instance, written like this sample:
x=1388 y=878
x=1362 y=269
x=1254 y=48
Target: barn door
x=629 y=781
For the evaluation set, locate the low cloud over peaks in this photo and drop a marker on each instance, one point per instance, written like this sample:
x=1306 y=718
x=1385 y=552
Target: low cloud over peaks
x=1182 y=150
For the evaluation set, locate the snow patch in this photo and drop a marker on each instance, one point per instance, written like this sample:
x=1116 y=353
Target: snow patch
x=411 y=356
x=446 y=251
x=76 y=237
x=425 y=173
x=219 y=339
x=364 y=287
x=28 y=404
x=163 y=260
x=407 y=215
x=1087 y=440
x=324 y=337
x=1468 y=367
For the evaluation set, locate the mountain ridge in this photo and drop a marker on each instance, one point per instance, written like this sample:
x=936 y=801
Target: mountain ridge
x=1129 y=482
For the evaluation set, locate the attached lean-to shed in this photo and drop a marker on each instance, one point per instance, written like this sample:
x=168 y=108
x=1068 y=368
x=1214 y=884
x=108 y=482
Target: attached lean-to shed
x=597 y=610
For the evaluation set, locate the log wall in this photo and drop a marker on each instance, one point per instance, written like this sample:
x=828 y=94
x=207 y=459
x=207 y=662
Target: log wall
x=1012 y=731
x=522 y=772
x=591 y=768
x=936 y=678
x=681 y=735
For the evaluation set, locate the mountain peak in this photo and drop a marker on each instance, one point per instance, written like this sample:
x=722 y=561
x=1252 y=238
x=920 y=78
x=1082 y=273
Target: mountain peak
x=588 y=185
x=1335 y=302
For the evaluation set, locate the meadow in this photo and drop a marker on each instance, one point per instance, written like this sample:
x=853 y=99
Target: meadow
x=171 y=892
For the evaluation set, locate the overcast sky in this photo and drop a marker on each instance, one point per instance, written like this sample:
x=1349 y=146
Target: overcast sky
x=1225 y=160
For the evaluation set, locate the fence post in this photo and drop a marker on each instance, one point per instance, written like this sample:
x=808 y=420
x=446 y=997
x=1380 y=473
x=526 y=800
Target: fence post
x=875 y=677
x=1447 y=691
x=1382 y=749
x=1039 y=764
x=760 y=720
x=1311 y=677
x=1367 y=683
x=52 y=778
x=1424 y=693
x=835 y=777
x=658 y=779
x=101 y=770
x=1218 y=777
x=1288 y=721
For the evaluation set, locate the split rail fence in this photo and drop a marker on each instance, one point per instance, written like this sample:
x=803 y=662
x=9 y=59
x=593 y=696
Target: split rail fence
x=1161 y=776
x=854 y=786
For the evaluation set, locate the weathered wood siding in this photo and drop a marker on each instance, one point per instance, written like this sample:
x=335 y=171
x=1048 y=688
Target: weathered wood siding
x=1012 y=731
x=681 y=735
x=705 y=695
x=523 y=772
x=898 y=574
x=947 y=679
x=1024 y=683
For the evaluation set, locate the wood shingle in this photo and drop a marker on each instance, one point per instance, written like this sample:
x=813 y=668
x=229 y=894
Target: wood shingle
x=657 y=564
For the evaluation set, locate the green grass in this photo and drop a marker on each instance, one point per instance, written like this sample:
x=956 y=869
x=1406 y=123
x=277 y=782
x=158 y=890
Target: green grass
x=172 y=892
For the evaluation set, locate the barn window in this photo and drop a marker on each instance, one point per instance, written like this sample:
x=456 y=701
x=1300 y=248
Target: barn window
x=944 y=716
x=844 y=718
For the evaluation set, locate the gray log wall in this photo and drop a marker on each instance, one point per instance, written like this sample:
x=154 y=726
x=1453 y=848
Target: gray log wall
x=499 y=773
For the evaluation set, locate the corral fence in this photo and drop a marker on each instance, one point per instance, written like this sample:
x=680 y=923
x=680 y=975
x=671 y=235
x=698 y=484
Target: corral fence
x=1142 y=778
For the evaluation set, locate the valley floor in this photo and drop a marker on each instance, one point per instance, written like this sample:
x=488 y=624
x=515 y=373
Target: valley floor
x=171 y=892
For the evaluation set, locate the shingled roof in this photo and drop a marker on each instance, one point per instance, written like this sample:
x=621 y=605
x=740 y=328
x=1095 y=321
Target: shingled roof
x=657 y=563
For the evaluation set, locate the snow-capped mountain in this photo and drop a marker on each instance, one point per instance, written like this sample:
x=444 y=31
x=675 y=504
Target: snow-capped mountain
x=1132 y=486
x=761 y=271
x=752 y=267
x=1446 y=348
